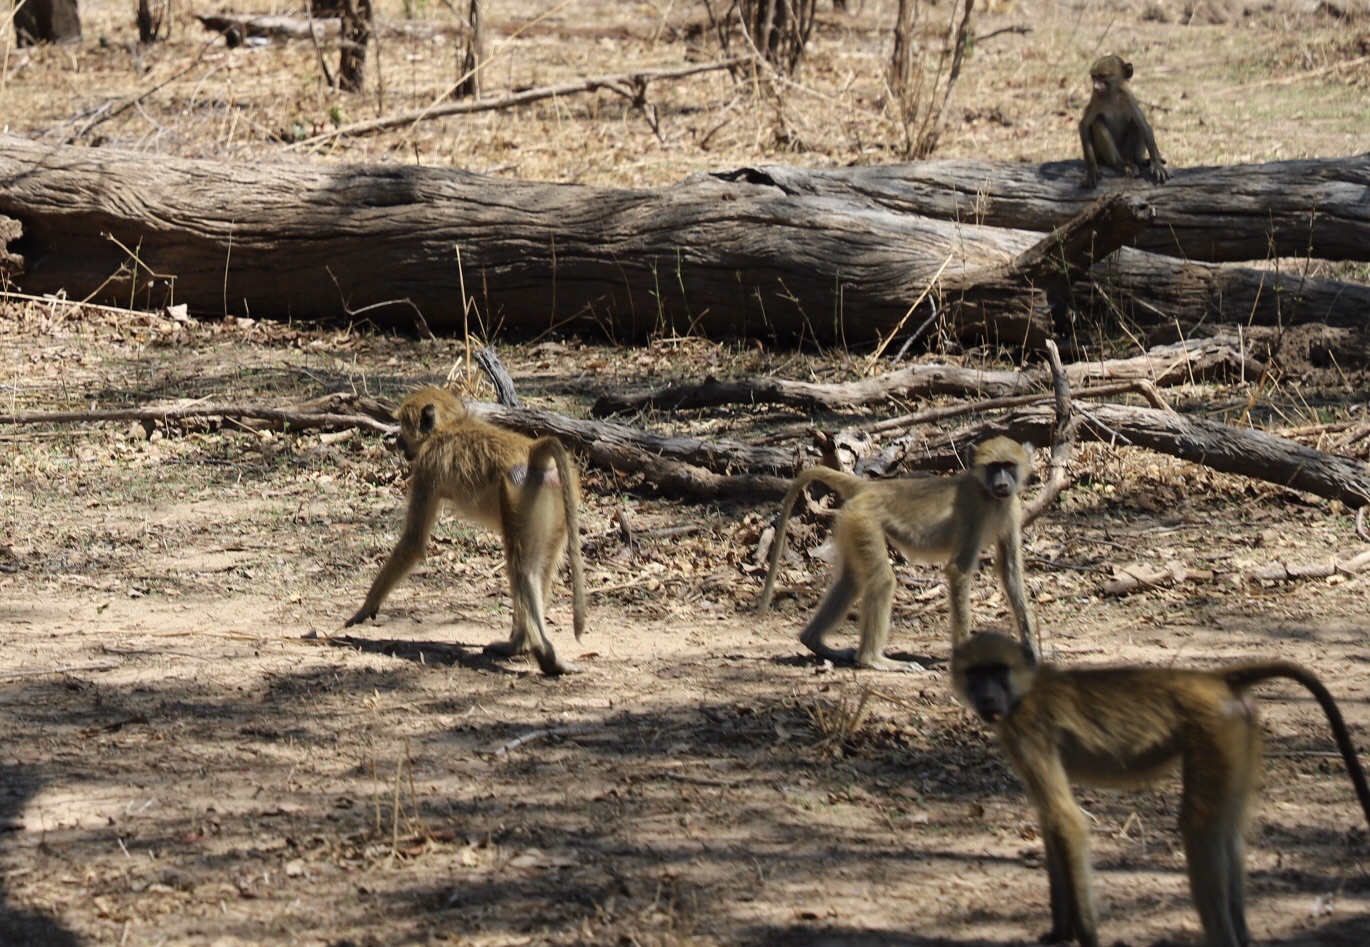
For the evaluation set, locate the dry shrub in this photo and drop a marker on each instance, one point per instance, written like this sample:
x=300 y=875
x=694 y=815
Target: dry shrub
x=357 y=22
x=840 y=718
x=775 y=30
x=924 y=68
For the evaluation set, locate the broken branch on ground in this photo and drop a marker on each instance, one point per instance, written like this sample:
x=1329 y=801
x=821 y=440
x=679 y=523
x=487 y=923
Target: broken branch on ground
x=1175 y=364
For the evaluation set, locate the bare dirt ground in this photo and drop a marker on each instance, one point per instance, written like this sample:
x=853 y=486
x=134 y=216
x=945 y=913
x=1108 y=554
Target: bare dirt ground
x=206 y=773
x=183 y=761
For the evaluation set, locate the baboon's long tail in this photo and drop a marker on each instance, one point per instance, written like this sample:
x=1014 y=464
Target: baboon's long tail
x=566 y=473
x=1245 y=675
x=844 y=483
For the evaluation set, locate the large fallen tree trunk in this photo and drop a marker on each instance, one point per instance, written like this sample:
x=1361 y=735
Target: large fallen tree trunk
x=238 y=26
x=392 y=243
x=1312 y=207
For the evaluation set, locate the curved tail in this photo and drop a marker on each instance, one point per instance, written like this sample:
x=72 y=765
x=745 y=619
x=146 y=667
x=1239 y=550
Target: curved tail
x=849 y=485
x=1245 y=675
x=570 y=501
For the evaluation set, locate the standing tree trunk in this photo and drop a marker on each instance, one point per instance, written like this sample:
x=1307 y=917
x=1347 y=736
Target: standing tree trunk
x=922 y=77
x=150 y=20
x=779 y=29
x=902 y=76
x=356 y=37
x=46 y=21
x=473 y=60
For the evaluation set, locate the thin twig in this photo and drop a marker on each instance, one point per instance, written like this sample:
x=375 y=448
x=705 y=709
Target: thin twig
x=64 y=669
x=110 y=111
x=1143 y=387
x=318 y=51
x=884 y=343
x=529 y=737
x=296 y=419
x=512 y=99
x=1063 y=443
x=9 y=294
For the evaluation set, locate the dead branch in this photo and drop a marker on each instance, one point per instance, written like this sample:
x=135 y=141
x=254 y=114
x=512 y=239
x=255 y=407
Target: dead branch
x=1063 y=440
x=619 y=444
x=673 y=465
x=1243 y=451
x=932 y=415
x=912 y=382
x=236 y=27
x=63 y=669
x=490 y=364
x=1140 y=578
x=631 y=85
x=1281 y=572
x=985 y=298
x=285 y=417
x=722 y=470
x=533 y=735
x=1178 y=363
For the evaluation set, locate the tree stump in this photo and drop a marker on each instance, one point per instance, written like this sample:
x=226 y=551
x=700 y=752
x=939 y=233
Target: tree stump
x=47 y=21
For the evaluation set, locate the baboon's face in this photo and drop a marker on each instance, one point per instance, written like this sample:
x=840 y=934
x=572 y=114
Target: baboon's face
x=423 y=413
x=1108 y=73
x=1002 y=480
x=987 y=691
x=1003 y=465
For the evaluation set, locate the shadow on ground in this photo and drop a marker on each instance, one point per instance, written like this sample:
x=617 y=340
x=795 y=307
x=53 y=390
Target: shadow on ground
x=19 y=927
x=427 y=796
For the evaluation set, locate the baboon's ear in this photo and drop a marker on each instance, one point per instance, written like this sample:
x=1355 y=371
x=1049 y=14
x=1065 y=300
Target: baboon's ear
x=428 y=419
x=1127 y=70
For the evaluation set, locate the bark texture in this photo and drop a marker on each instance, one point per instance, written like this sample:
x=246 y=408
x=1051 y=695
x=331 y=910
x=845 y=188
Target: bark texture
x=47 y=21
x=1235 y=450
x=397 y=244
x=1312 y=207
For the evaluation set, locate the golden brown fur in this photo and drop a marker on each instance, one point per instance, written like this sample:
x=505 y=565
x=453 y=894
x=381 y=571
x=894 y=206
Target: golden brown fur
x=1126 y=726
x=1113 y=130
x=495 y=477
x=929 y=519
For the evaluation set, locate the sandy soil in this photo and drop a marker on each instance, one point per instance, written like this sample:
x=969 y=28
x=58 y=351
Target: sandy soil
x=184 y=763
x=187 y=759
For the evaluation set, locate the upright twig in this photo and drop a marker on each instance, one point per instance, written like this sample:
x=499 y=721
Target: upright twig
x=476 y=54
x=1063 y=443
x=494 y=370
